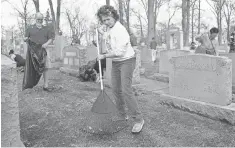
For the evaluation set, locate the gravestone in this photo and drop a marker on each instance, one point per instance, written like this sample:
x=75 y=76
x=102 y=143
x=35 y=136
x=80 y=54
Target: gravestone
x=10 y=126
x=200 y=77
x=74 y=56
x=9 y=44
x=166 y=55
x=159 y=49
x=146 y=54
x=174 y=39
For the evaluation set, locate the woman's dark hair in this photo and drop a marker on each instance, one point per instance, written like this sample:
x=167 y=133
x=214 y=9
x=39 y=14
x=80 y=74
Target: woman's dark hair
x=11 y=51
x=214 y=30
x=107 y=10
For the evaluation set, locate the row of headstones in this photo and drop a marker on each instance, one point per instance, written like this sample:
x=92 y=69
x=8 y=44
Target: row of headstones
x=197 y=77
x=76 y=56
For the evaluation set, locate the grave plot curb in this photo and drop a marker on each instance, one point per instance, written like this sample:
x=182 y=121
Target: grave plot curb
x=217 y=112
x=70 y=71
x=160 y=77
x=56 y=65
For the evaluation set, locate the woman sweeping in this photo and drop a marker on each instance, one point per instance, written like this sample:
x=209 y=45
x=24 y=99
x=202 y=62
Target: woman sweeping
x=119 y=49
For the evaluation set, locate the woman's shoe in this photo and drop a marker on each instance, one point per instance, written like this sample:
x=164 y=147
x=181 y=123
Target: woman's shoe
x=138 y=127
x=47 y=89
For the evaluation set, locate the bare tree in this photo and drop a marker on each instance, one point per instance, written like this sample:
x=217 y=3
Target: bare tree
x=57 y=27
x=120 y=5
x=199 y=17
x=144 y=4
x=229 y=10
x=139 y=18
x=77 y=24
x=192 y=18
x=175 y=8
x=52 y=13
x=36 y=4
x=127 y=13
x=24 y=14
x=157 y=4
x=55 y=19
x=184 y=19
x=186 y=4
x=151 y=23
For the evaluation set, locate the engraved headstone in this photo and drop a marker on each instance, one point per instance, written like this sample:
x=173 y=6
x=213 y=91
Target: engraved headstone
x=202 y=77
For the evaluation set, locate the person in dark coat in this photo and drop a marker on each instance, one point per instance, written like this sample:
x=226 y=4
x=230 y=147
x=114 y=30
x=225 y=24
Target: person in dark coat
x=20 y=61
x=38 y=37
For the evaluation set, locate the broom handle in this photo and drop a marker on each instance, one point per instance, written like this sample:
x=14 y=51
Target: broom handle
x=98 y=49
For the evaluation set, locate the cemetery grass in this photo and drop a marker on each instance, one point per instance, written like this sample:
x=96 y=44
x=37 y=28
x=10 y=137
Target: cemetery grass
x=52 y=120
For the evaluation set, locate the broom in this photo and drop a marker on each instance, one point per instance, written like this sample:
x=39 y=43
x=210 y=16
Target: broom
x=103 y=117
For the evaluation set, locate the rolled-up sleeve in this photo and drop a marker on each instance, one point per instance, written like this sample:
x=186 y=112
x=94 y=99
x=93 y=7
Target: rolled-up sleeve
x=121 y=39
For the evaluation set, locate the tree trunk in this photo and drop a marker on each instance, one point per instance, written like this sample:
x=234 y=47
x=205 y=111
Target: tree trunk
x=107 y=2
x=199 y=17
x=192 y=22
x=58 y=17
x=128 y=15
x=184 y=20
x=220 y=23
x=150 y=21
x=52 y=13
x=141 y=26
x=36 y=4
x=121 y=11
x=70 y=24
x=188 y=24
x=228 y=31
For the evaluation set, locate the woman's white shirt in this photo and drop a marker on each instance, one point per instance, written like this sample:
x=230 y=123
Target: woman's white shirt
x=117 y=42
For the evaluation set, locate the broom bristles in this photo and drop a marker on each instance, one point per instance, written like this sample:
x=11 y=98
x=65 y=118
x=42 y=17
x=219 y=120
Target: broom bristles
x=103 y=117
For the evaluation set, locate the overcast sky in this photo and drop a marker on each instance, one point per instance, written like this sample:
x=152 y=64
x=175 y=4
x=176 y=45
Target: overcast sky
x=89 y=8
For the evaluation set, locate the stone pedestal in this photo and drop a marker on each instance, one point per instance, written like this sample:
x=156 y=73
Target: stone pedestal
x=10 y=129
x=201 y=77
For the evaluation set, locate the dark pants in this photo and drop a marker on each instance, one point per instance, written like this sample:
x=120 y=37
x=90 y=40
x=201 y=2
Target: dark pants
x=122 y=73
x=21 y=63
x=103 y=65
